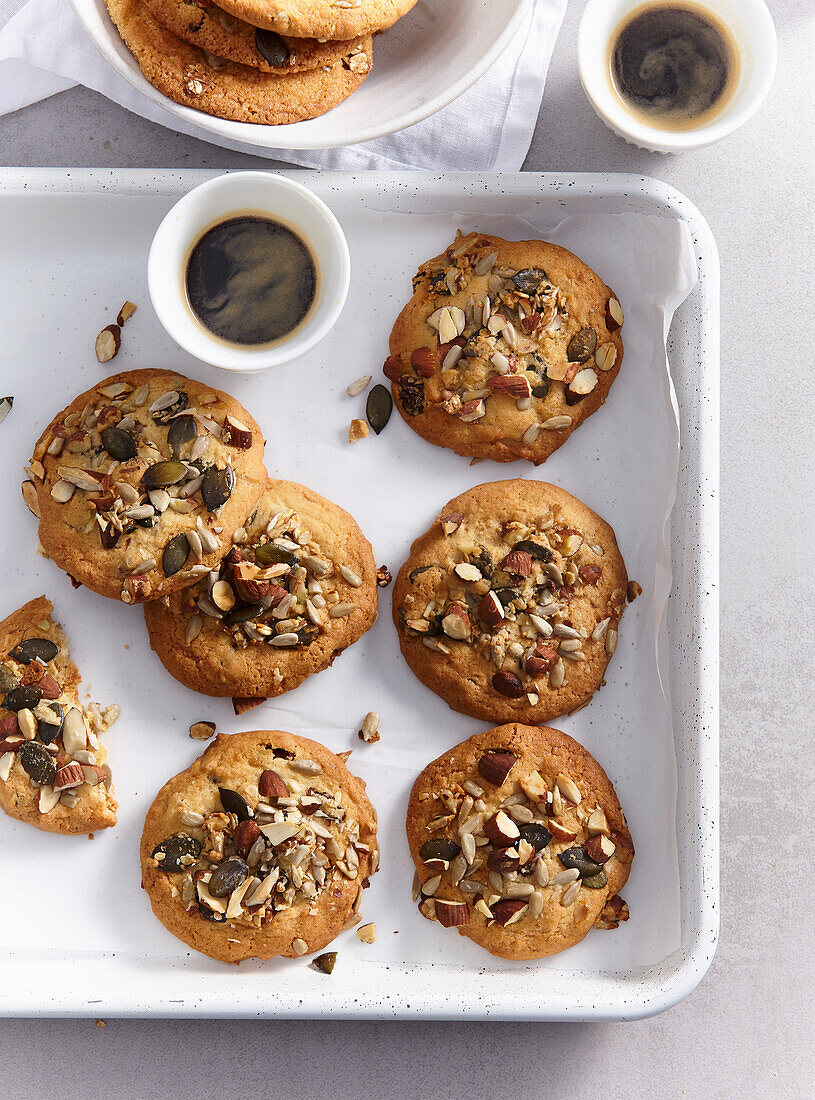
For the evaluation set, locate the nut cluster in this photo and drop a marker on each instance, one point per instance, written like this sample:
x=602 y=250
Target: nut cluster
x=281 y=846
x=505 y=843
x=43 y=733
x=275 y=587
x=518 y=335
x=514 y=601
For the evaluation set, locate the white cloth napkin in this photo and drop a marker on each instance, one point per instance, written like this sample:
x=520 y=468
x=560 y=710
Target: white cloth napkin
x=44 y=50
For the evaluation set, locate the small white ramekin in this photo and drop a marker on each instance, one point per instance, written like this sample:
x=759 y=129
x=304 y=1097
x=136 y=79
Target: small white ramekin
x=232 y=195
x=752 y=27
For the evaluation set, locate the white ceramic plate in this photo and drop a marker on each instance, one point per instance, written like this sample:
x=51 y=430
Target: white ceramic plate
x=424 y=62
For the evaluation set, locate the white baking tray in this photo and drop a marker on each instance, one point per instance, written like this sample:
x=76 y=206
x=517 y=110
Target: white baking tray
x=76 y=933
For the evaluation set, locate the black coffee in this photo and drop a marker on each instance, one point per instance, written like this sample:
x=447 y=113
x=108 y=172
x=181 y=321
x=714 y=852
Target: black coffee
x=673 y=64
x=250 y=280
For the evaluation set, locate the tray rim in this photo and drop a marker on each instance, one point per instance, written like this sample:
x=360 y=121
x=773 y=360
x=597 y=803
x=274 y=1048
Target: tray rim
x=655 y=988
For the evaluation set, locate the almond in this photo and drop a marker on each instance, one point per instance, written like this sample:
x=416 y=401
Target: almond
x=513 y=385
x=501 y=830
x=472 y=410
x=508 y=910
x=614 y=315
x=507 y=684
x=491 y=611
x=623 y=846
x=10 y=744
x=534 y=787
x=424 y=361
x=29 y=491
x=202 y=731
x=246 y=582
x=518 y=563
x=94 y=774
x=541 y=661
x=49 y=687
x=597 y=822
x=392 y=368
x=71 y=775
x=600 y=848
x=530 y=323
x=125 y=313
x=271 y=785
x=245 y=835
x=590 y=574
x=108 y=343
x=456 y=622
x=451 y=521
x=558 y=831
x=496 y=765
x=581 y=385
x=235 y=434
x=451 y=914
x=503 y=859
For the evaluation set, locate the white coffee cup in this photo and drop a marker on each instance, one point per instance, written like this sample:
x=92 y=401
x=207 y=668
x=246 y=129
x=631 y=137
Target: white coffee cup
x=751 y=26
x=232 y=195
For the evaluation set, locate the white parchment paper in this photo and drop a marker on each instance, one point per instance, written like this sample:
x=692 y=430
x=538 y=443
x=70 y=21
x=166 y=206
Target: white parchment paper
x=66 y=264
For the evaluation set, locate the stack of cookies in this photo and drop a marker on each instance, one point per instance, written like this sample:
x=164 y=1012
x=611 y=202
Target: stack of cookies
x=251 y=62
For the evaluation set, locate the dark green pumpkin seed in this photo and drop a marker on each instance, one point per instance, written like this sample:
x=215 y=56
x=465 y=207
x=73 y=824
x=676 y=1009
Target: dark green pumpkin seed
x=177 y=852
x=164 y=473
x=541 y=553
x=227 y=877
x=596 y=881
x=34 y=649
x=579 y=858
x=210 y=914
x=269 y=554
x=182 y=430
x=26 y=695
x=243 y=614
x=582 y=346
x=7 y=679
x=417 y=572
x=119 y=444
x=50 y=731
x=483 y=561
x=439 y=848
x=536 y=835
x=38 y=762
x=234 y=803
x=272 y=48
x=217 y=486
x=507 y=596
x=175 y=555
x=325 y=963
x=378 y=408
x=529 y=280
x=308 y=634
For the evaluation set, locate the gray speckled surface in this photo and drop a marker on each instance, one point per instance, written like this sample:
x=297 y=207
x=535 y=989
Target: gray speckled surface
x=743 y=1032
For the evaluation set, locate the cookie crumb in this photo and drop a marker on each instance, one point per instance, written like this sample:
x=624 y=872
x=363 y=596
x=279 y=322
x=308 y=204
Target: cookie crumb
x=101 y=1023
x=357 y=430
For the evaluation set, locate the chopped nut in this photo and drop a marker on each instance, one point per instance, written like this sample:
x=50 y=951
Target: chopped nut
x=108 y=343
x=634 y=590
x=29 y=491
x=125 y=313
x=202 y=731
x=367 y=933
x=358 y=430
x=370 y=728
x=383 y=576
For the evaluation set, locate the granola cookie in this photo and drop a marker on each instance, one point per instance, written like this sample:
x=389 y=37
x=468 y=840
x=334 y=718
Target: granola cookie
x=505 y=348
x=519 y=842
x=262 y=847
x=509 y=606
x=209 y=27
x=332 y=19
x=142 y=481
x=297 y=589
x=197 y=78
x=53 y=773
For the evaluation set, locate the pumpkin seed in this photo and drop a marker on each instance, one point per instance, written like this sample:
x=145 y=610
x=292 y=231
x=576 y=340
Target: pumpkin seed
x=118 y=443
x=378 y=408
x=541 y=553
x=438 y=848
x=26 y=695
x=228 y=876
x=168 y=472
x=529 y=280
x=243 y=614
x=272 y=48
x=234 y=803
x=49 y=731
x=325 y=963
x=175 y=555
x=182 y=430
x=176 y=852
x=38 y=762
x=536 y=835
x=596 y=881
x=34 y=649
x=579 y=859
x=217 y=486
x=7 y=679
x=582 y=346
x=269 y=554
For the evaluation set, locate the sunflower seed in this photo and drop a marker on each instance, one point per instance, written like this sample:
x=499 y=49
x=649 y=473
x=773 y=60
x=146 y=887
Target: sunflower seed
x=531 y=433
x=468 y=847
x=285 y=641
x=600 y=630
x=519 y=890
x=359 y=385
x=562 y=877
x=164 y=402
x=340 y=610
x=611 y=641
x=541 y=625
x=570 y=894
x=470 y=886
x=535 y=904
x=299 y=947
x=353 y=578
x=572 y=655
x=143 y=567
x=190 y=818
x=556 y=422
x=541 y=873
x=430 y=887
x=5 y=407
x=557 y=674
